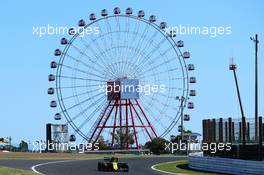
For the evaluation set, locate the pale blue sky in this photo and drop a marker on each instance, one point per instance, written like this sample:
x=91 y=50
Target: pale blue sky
x=25 y=58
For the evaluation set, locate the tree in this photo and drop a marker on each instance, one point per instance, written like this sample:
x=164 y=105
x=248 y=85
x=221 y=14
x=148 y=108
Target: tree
x=176 y=139
x=121 y=137
x=157 y=145
x=102 y=143
x=23 y=146
x=188 y=131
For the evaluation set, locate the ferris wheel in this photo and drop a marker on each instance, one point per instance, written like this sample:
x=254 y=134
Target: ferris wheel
x=122 y=49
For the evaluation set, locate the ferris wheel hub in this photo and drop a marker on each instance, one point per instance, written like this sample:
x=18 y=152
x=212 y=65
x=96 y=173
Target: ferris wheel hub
x=123 y=89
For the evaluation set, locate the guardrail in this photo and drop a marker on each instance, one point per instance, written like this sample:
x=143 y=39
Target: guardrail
x=226 y=165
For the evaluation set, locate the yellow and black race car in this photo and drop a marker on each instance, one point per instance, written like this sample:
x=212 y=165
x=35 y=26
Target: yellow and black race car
x=112 y=164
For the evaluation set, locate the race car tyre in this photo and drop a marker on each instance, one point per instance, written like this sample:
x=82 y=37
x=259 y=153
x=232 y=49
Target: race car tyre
x=99 y=166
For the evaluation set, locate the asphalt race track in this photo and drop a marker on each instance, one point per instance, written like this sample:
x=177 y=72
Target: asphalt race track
x=138 y=166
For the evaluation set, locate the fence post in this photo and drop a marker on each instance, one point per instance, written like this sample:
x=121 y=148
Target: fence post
x=248 y=131
x=229 y=130
x=214 y=130
x=240 y=132
x=205 y=130
x=233 y=131
x=220 y=130
x=209 y=138
x=260 y=153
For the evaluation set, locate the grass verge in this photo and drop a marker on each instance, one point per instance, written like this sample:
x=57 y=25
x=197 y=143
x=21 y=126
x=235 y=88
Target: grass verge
x=13 y=171
x=179 y=167
x=63 y=156
x=56 y=156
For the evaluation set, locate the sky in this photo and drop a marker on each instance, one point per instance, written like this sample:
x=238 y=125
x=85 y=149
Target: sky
x=25 y=57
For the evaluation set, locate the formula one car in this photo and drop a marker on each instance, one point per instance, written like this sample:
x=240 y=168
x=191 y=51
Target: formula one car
x=112 y=164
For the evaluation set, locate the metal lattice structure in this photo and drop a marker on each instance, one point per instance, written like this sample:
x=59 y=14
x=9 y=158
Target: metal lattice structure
x=125 y=48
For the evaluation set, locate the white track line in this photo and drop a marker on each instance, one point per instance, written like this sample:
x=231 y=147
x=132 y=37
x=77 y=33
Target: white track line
x=155 y=169
x=33 y=168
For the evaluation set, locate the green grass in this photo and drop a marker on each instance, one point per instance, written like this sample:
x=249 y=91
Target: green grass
x=64 y=156
x=57 y=156
x=12 y=171
x=177 y=167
